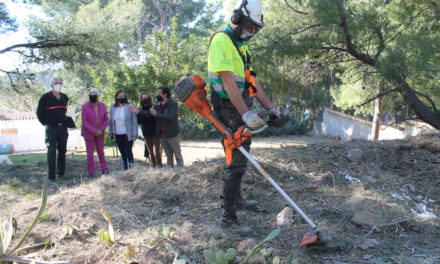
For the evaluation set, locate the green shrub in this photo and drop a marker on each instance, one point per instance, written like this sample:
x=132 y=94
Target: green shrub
x=294 y=127
x=194 y=126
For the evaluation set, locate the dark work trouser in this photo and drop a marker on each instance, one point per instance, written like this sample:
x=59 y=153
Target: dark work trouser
x=125 y=148
x=233 y=172
x=56 y=140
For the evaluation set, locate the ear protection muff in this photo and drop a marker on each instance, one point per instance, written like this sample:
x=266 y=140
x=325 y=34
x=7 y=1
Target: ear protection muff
x=237 y=14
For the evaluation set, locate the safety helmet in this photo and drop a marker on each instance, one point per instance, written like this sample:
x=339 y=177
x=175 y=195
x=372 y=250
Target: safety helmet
x=252 y=9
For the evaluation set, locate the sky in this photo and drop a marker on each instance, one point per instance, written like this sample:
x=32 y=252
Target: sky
x=20 y=12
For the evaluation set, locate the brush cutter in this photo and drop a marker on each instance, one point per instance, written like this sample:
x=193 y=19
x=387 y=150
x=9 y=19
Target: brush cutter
x=191 y=91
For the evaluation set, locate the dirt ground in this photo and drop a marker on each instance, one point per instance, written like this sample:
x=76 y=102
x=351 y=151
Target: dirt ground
x=379 y=198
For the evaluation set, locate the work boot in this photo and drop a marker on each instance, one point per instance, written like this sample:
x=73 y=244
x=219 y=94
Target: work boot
x=234 y=226
x=250 y=205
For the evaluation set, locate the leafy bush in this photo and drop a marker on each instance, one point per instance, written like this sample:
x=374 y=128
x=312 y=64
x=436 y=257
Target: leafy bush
x=194 y=126
x=294 y=127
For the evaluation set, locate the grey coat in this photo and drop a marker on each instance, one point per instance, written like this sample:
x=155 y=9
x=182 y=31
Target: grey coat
x=131 y=123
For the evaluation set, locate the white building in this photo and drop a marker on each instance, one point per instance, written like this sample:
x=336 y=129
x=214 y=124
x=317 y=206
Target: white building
x=26 y=133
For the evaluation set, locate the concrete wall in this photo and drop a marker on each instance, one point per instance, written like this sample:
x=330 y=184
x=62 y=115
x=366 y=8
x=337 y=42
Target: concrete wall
x=348 y=127
x=31 y=135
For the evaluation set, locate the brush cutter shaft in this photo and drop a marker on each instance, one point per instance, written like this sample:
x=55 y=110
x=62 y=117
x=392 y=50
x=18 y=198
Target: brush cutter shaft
x=279 y=189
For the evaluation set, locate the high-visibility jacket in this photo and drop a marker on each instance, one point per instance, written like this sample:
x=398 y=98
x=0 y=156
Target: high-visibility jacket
x=225 y=55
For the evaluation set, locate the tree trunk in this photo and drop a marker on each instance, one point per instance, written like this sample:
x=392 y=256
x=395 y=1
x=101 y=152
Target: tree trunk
x=375 y=129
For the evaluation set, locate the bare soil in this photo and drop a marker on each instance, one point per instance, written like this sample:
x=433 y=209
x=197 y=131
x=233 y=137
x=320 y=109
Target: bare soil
x=379 y=216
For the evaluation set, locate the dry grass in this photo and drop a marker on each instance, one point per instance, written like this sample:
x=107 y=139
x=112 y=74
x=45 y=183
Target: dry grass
x=188 y=201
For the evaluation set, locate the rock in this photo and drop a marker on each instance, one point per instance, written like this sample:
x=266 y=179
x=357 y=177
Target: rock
x=368 y=243
x=370 y=180
x=355 y=155
x=367 y=257
x=284 y=218
x=419 y=198
x=4 y=160
x=366 y=217
x=245 y=245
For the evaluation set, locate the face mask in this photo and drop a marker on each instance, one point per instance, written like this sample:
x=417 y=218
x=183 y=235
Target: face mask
x=159 y=98
x=146 y=102
x=122 y=100
x=93 y=98
x=57 y=87
x=245 y=36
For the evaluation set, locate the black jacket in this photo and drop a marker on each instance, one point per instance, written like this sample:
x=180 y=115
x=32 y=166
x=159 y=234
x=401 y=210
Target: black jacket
x=50 y=110
x=149 y=123
x=167 y=116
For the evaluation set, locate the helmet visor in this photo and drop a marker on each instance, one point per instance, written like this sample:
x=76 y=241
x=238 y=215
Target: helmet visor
x=251 y=27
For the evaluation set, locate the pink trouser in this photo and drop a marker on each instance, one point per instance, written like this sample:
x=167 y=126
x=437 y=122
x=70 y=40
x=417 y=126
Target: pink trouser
x=98 y=144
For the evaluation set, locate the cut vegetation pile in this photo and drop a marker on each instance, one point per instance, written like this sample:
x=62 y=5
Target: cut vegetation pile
x=381 y=196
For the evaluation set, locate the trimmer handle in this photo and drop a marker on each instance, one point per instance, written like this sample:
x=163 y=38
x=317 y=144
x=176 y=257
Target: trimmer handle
x=257 y=131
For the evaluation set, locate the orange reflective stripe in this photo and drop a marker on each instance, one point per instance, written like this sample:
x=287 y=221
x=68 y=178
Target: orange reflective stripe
x=249 y=78
x=228 y=153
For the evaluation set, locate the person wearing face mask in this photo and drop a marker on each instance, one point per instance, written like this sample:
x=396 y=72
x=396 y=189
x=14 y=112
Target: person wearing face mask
x=51 y=112
x=165 y=111
x=123 y=126
x=94 y=122
x=233 y=87
x=150 y=128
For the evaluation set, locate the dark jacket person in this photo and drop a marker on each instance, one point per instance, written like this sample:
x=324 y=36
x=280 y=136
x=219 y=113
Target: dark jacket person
x=150 y=128
x=51 y=112
x=165 y=110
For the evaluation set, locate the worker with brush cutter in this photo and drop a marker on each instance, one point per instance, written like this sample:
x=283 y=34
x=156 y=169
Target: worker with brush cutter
x=233 y=88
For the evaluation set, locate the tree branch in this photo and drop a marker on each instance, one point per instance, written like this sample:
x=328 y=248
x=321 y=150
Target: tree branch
x=377 y=96
x=377 y=32
x=429 y=99
x=47 y=44
x=351 y=48
x=294 y=10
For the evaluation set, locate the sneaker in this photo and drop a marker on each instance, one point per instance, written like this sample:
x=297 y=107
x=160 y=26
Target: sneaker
x=51 y=180
x=105 y=172
x=234 y=226
x=90 y=176
x=250 y=205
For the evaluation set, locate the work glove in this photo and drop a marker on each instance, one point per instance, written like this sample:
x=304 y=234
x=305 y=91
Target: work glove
x=273 y=112
x=252 y=119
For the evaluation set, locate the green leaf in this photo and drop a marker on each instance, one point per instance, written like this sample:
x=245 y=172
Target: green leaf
x=254 y=250
x=166 y=230
x=209 y=256
x=276 y=260
x=111 y=232
x=106 y=215
x=153 y=243
x=6 y=234
x=220 y=257
x=104 y=237
x=272 y=235
x=230 y=254
x=130 y=253
x=179 y=261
